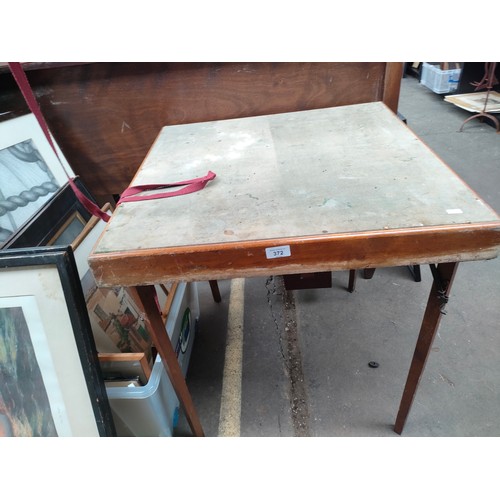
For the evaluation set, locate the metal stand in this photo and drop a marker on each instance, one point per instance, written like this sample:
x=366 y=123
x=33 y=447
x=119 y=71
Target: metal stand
x=488 y=81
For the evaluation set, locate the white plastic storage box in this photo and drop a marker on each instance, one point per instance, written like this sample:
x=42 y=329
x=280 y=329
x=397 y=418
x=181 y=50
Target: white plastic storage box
x=152 y=410
x=438 y=80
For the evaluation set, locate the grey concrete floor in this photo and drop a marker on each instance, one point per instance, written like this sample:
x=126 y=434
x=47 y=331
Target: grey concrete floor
x=318 y=383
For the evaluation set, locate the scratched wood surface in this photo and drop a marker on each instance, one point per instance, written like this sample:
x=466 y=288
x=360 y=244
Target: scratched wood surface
x=315 y=175
x=354 y=168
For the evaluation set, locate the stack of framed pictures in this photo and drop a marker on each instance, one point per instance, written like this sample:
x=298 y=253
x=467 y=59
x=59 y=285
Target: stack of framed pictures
x=64 y=342
x=141 y=396
x=118 y=323
x=51 y=383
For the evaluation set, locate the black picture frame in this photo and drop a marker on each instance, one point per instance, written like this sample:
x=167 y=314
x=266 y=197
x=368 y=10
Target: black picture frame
x=46 y=279
x=45 y=224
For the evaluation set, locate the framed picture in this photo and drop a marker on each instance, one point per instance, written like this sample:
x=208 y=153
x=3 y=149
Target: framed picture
x=58 y=222
x=30 y=172
x=125 y=366
x=69 y=230
x=51 y=383
x=117 y=321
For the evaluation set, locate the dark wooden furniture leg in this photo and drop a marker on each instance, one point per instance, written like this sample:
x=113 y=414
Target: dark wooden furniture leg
x=146 y=296
x=430 y=324
x=368 y=273
x=415 y=272
x=352 y=280
x=214 y=286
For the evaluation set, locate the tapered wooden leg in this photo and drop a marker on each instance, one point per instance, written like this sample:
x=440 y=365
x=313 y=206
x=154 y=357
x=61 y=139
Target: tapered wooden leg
x=214 y=286
x=430 y=324
x=156 y=327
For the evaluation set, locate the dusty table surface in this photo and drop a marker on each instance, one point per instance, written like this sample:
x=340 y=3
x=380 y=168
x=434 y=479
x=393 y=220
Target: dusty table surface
x=319 y=173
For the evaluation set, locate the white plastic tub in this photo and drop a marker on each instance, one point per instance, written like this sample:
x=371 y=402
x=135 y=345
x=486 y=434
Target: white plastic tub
x=438 y=80
x=152 y=410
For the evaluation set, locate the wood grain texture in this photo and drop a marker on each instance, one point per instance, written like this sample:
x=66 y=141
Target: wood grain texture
x=105 y=116
x=392 y=85
x=430 y=324
x=345 y=251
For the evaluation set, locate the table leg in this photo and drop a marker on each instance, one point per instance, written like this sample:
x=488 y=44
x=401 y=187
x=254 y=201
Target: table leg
x=352 y=280
x=214 y=286
x=368 y=273
x=415 y=272
x=146 y=296
x=430 y=324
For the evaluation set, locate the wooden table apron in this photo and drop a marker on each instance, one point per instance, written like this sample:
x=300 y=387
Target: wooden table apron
x=321 y=190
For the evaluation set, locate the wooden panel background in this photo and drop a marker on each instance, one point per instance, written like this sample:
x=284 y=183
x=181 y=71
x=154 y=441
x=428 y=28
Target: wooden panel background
x=105 y=116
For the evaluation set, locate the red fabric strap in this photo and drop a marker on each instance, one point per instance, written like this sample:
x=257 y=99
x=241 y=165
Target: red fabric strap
x=190 y=186
x=24 y=86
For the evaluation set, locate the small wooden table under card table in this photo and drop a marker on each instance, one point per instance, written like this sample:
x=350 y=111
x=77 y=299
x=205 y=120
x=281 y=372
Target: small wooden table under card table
x=329 y=189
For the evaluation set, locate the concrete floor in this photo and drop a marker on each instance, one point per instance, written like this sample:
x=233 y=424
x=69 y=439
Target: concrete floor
x=305 y=353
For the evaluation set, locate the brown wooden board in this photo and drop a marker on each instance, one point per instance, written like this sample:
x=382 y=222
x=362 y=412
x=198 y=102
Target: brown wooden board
x=105 y=116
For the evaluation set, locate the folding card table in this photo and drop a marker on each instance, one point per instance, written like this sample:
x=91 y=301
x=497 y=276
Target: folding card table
x=330 y=189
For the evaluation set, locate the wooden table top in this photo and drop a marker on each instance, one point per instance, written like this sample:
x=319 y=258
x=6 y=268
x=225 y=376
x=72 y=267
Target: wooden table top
x=339 y=188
